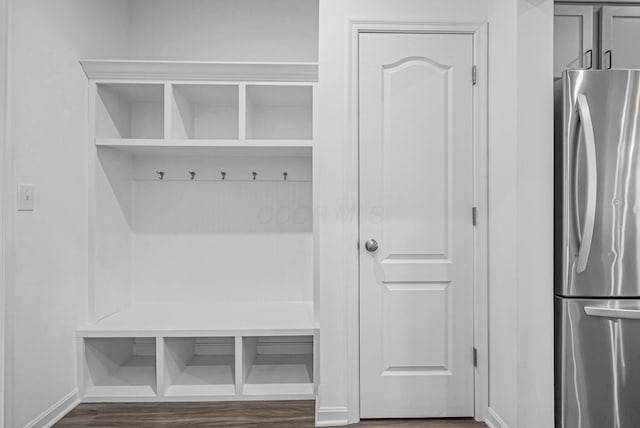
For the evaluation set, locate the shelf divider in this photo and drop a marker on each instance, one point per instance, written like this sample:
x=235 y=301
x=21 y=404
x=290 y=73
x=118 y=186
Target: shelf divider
x=168 y=110
x=242 y=111
x=240 y=370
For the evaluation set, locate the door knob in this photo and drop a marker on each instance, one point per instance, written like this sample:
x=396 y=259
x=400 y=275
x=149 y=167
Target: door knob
x=371 y=245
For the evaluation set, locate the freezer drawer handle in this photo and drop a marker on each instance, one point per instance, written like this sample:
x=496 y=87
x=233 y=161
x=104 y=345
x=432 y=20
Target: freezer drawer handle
x=592 y=182
x=597 y=311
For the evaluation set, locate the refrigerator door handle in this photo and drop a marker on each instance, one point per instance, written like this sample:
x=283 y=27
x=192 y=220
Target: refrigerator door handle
x=592 y=182
x=601 y=311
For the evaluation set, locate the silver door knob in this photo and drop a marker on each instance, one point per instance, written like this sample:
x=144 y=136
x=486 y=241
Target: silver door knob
x=371 y=245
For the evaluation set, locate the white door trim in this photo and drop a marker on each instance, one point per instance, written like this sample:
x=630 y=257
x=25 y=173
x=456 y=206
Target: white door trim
x=351 y=201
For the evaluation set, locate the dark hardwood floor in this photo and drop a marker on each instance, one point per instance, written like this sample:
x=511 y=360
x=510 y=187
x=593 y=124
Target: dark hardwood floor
x=246 y=414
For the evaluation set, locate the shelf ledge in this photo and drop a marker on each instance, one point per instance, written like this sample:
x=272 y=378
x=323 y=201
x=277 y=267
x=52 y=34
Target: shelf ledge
x=241 y=148
x=206 y=320
x=200 y=70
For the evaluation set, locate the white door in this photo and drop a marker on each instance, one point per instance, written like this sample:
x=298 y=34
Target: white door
x=416 y=200
x=619 y=38
x=572 y=38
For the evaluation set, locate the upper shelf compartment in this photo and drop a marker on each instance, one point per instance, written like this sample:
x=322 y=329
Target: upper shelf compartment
x=126 y=110
x=279 y=112
x=205 y=112
x=196 y=105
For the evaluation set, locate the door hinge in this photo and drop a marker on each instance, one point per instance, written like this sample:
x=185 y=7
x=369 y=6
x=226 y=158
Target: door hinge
x=475 y=357
x=474 y=75
x=474 y=215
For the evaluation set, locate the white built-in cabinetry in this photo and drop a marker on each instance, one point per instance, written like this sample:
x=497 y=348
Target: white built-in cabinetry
x=573 y=38
x=619 y=36
x=202 y=232
x=587 y=36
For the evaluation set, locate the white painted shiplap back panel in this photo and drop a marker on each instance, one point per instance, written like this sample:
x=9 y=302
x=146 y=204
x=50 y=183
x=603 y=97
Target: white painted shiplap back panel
x=222 y=241
x=237 y=168
x=222 y=208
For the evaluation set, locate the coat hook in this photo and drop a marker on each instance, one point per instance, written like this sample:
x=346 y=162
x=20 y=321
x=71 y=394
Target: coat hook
x=192 y=174
x=284 y=175
x=224 y=175
x=160 y=174
x=255 y=174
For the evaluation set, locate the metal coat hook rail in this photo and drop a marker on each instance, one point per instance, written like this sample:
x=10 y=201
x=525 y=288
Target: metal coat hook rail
x=192 y=175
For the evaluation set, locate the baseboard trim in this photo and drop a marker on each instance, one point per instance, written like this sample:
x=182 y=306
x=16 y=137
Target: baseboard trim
x=494 y=420
x=56 y=412
x=332 y=416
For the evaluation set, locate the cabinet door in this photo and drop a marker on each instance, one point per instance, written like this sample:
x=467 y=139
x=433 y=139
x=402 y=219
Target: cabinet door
x=619 y=37
x=572 y=38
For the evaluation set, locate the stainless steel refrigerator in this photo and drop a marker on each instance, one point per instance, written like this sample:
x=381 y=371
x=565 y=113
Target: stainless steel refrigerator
x=597 y=302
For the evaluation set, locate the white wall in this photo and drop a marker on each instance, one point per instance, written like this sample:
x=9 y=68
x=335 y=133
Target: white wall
x=47 y=260
x=521 y=212
x=535 y=213
x=225 y=30
x=503 y=243
x=3 y=178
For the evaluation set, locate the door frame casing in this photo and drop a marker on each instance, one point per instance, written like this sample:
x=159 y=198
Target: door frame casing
x=479 y=33
x=5 y=192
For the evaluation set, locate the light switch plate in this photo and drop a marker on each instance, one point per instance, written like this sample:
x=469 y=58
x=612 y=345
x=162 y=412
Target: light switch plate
x=26 y=197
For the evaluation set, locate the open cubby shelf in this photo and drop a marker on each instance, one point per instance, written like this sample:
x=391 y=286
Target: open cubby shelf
x=200 y=366
x=120 y=367
x=278 y=365
x=279 y=112
x=127 y=110
x=204 y=367
x=203 y=113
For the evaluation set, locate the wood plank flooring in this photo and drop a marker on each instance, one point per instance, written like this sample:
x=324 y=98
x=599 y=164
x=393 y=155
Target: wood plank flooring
x=245 y=414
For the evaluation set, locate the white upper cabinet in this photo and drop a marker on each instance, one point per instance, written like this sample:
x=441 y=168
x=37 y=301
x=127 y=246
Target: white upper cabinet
x=573 y=38
x=620 y=33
